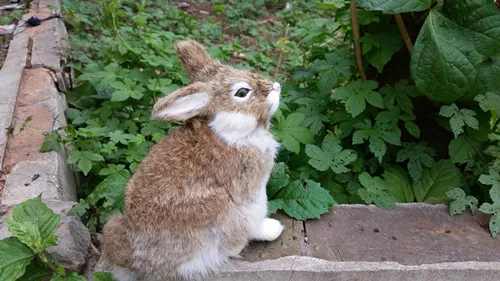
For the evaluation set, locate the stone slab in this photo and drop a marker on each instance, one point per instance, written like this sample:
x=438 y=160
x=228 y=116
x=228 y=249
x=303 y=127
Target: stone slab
x=53 y=181
x=288 y=244
x=312 y=269
x=10 y=77
x=412 y=234
x=46 y=45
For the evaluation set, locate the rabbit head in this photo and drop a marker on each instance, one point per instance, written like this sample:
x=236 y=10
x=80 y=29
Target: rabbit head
x=228 y=98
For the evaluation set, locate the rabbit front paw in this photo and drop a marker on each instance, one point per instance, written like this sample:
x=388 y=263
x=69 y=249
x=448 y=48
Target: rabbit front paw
x=270 y=229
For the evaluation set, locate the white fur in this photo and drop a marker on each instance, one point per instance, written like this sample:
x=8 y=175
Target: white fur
x=264 y=229
x=273 y=99
x=241 y=130
x=270 y=229
x=123 y=274
x=236 y=87
x=206 y=261
x=186 y=107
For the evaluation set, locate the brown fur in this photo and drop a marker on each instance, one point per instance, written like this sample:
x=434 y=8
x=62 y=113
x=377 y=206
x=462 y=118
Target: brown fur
x=192 y=188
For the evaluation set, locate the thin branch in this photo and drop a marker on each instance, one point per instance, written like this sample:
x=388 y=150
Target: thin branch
x=357 y=46
x=404 y=32
x=281 y=53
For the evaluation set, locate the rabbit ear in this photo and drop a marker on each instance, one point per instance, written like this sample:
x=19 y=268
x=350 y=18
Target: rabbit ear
x=182 y=104
x=195 y=59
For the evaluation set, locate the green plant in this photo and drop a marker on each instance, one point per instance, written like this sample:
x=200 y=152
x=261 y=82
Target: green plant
x=355 y=125
x=24 y=255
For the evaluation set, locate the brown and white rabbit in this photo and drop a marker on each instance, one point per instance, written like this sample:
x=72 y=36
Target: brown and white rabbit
x=200 y=194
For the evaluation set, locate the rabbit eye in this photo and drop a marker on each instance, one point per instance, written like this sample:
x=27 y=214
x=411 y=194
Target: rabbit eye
x=242 y=92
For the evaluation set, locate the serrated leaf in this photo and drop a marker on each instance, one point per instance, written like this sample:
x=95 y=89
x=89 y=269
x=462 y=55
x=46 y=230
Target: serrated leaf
x=375 y=192
x=79 y=208
x=34 y=224
x=377 y=136
x=278 y=179
x=461 y=150
x=395 y=6
x=84 y=160
x=274 y=205
x=418 y=156
x=331 y=155
x=459 y=118
x=356 y=94
x=15 y=258
x=450 y=47
x=290 y=132
x=461 y=201
x=305 y=200
x=436 y=181
x=398 y=184
x=52 y=142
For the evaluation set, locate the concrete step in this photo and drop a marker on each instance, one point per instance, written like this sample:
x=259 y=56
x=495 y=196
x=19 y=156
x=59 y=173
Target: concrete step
x=358 y=242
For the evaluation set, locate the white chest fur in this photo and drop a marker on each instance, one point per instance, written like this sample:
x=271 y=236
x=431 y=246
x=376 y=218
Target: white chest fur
x=242 y=130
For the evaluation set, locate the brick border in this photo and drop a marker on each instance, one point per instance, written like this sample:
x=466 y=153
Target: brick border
x=32 y=103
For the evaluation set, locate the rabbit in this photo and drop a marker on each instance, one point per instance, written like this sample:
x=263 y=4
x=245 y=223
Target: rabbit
x=199 y=196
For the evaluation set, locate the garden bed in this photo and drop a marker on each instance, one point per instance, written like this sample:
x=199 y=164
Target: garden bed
x=355 y=124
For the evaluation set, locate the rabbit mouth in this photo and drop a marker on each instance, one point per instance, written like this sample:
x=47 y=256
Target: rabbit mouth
x=273 y=98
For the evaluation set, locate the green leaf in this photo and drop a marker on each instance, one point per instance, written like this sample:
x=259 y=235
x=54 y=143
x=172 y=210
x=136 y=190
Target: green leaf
x=418 y=156
x=459 y=118
x=395 y=6
x=461 y=149
x=69 y=277
x=36 y=271
x=461 y=201
x=375 y=192
x=102 y=276
x=290 y=132
x=356 y=94
x=15 y=258
x=52 y=142
x=377 y=137
x=398 y=184
x=450 y=47
x=305 y=202
x=387 y=44
x=84 y=159
x=274 y=205
x=335 y=66
x=331 y=155
x=34 y=224
x=412 y=128
x=436 y=181
x=481 y=18
x=79 y=208
x=278 y=179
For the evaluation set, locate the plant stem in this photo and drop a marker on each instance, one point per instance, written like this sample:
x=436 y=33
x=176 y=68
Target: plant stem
x=357 y=46
x=404 y=32
x=281 y=53
x=44 y=259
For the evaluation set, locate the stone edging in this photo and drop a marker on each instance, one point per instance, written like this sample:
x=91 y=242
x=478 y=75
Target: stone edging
x=32 y=103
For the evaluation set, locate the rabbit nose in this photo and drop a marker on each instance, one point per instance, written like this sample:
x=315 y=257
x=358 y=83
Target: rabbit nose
x=276 y=86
